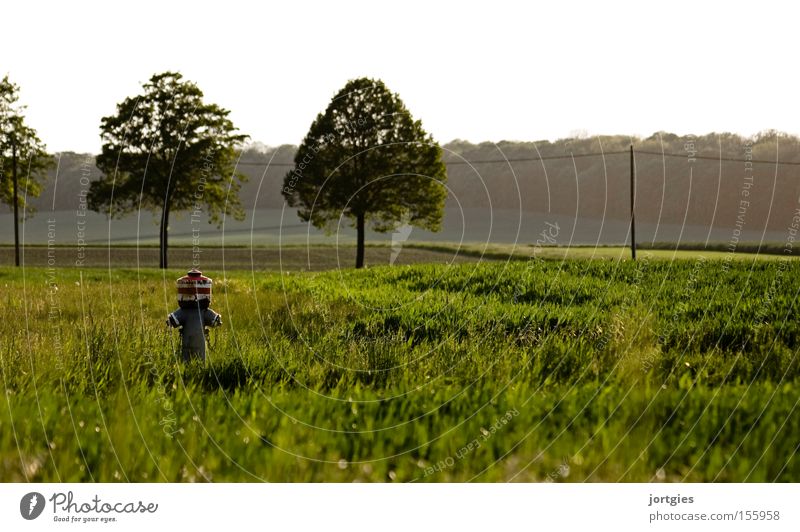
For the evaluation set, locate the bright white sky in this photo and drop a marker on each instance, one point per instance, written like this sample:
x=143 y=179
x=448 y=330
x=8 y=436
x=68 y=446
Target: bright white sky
x=490 y=70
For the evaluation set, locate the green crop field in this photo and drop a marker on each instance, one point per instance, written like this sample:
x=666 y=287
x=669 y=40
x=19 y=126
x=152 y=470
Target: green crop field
x=524 y=370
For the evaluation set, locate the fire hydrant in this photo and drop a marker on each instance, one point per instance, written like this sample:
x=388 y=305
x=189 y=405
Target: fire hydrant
x=193 y=317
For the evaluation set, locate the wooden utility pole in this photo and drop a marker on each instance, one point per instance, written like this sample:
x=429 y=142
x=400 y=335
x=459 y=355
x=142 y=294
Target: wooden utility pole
x=16 y=200
x=633 y=216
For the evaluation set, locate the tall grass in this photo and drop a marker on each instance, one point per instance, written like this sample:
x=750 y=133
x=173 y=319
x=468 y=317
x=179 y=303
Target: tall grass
x=618 y=371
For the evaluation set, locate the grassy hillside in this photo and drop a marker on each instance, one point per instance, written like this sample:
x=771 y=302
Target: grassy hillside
x=526 y=370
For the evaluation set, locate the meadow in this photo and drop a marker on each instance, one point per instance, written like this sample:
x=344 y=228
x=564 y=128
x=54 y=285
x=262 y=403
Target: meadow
x=485 y=370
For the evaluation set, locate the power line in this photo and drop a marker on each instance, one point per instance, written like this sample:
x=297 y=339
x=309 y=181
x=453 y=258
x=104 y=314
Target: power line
x=716 y=158
x=482 y=161
x=535 y=159
x=576 y=156
x=254 y=163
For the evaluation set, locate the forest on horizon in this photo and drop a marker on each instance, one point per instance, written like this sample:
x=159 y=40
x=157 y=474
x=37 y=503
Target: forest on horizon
x=669 y=189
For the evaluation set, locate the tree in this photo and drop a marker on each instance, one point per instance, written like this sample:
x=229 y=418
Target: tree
x=365 y=158
x=19 y=145
x=169 y=151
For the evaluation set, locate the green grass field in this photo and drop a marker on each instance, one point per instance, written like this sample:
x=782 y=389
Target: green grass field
x=330 y=256
x=521 y=370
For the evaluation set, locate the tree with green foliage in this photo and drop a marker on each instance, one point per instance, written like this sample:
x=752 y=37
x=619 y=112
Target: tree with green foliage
x=21 y=152
x=166 y=151
x=366 y=159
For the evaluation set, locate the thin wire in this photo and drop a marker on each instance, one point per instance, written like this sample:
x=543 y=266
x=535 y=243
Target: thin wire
x=579 y=155
x=483 y=161
x=713 y=158
x=534 y=159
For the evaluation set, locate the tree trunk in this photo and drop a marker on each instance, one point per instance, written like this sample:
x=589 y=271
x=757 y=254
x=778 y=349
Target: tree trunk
x=16 y=200
x=360 y=240
x=163 y=241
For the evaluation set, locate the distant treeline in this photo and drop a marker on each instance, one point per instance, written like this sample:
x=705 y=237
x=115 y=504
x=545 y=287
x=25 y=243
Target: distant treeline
x=672 y=190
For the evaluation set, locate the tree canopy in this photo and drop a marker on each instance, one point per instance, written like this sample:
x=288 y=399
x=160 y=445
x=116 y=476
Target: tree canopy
x=167 y=150
x=366 y=159
x=31 y=154
x=23 y=158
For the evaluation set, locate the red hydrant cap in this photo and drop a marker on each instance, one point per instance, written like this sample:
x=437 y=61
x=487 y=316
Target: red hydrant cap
x=194 y=286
